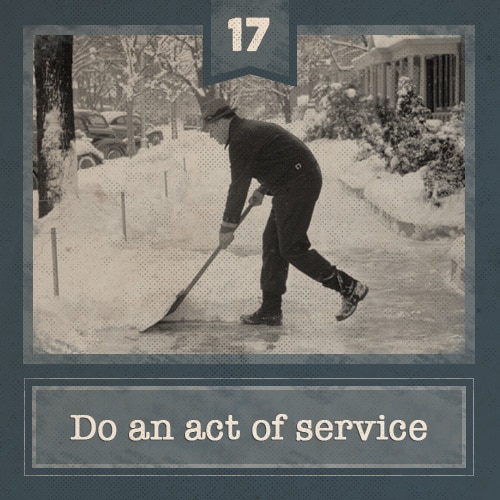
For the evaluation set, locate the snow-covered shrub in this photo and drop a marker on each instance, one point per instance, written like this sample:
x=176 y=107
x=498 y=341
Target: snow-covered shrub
x=346 y=113
x=409 y=140
x=445 y=172
x=300 y=108
x=378 y=113
x=404 y=131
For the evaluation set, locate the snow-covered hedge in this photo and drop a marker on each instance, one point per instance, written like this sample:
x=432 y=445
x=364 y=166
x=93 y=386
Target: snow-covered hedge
x=345 y=113
x=404 y=137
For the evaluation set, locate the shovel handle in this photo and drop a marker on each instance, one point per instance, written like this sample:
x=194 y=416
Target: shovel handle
x=182 y=295
x=213 y=256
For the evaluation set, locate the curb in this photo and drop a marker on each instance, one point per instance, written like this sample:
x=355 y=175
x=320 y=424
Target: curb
x=418 y=232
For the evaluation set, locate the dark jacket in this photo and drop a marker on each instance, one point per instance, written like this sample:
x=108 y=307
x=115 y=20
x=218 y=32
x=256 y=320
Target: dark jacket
x=266 y=152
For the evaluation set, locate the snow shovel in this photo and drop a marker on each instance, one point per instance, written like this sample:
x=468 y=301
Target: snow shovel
x=183 y=293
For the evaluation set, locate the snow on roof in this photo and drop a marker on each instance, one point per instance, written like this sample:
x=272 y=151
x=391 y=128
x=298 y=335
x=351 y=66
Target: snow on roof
x=380 y=44
x=386 y=41
x=111 y=115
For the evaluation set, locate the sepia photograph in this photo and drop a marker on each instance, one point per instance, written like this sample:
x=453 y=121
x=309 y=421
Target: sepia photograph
x=249 y=217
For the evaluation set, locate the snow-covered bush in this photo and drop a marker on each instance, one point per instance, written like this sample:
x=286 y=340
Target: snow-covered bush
x=301 y=108
x=345 y=113
x=445 y=172
x=408 y=141
x=405 y=131
x=379 y=114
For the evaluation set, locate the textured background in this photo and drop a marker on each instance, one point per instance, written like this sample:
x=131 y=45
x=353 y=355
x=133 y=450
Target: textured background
x=484 y=15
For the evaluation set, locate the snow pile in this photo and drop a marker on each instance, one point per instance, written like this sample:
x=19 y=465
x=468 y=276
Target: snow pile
x=173 y=195
x=403 y=197
x=409 y=205
x=83 y=145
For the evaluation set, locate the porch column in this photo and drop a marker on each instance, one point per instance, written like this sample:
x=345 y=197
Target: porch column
x=435 y=84
x=411 y=70
x=392 y=84
x=457 y=79
x=423 y=79
x=384 y=81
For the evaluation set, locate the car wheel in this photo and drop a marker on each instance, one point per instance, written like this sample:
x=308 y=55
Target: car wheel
x=113 y=153
x=86 y=161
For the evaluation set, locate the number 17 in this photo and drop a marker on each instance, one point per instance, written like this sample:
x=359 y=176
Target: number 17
x=235 y=25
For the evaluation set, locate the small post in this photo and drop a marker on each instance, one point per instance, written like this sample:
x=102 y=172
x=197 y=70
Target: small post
x=184 y=163
x=124 y=222
x=55 y=271
x=166 y=183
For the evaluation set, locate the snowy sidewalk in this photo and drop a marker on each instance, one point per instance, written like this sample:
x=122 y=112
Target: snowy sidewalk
x=399 y=203
x=110 y=286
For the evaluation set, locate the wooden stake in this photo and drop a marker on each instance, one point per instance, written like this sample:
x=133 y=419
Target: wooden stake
x=124 y=222
x=55 y=271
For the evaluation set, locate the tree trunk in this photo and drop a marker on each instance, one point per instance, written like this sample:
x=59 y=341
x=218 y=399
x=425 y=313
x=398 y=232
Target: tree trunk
x=53 y=57
x=130 y=129
x=173 y=119
x=287 y=109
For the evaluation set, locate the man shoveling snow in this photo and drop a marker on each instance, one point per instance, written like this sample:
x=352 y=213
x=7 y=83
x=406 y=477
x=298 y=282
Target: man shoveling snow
x=286 y=170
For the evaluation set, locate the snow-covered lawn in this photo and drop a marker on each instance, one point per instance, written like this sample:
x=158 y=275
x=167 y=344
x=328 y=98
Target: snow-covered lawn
x=172 y=219
x=402 y=196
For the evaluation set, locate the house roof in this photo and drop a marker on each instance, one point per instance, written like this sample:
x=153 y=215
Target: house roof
x=380 y=47
x=387 y=41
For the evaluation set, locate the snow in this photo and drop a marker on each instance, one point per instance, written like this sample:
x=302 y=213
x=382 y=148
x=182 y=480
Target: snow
x=386 y=41
x=63 y=161
x=403 y=197
x=83 y=145
x=456 y=251
x=111 y=279
x=111 y=115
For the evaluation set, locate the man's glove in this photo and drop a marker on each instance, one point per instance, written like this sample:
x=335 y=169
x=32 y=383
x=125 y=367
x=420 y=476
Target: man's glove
x=226 y=234
x=256 y=198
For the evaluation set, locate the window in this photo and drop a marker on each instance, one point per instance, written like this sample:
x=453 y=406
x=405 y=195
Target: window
x=97 y=121
x=79 y=124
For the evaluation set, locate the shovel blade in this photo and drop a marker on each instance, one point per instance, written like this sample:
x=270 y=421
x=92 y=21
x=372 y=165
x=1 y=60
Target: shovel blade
x=177 y=302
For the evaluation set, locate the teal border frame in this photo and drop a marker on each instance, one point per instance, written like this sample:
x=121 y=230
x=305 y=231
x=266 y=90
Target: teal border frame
x=469 y=328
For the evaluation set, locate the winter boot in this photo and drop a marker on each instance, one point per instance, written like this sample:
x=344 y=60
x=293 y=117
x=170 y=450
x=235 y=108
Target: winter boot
x=350 y=302
x=268 y=314
x=352 y=291
x=262 y=318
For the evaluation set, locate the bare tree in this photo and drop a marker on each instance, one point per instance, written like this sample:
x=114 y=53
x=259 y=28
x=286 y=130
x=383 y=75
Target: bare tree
x=56 y=159
x=97 y=62
x=181 y=57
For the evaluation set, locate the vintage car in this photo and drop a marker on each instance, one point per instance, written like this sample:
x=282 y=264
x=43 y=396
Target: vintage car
x=94 y=126
x=118 y=122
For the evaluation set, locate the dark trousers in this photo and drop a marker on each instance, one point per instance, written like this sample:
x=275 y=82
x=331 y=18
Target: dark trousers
x=285 y=238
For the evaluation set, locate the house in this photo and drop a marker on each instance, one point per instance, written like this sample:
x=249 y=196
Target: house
x=435 y=63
